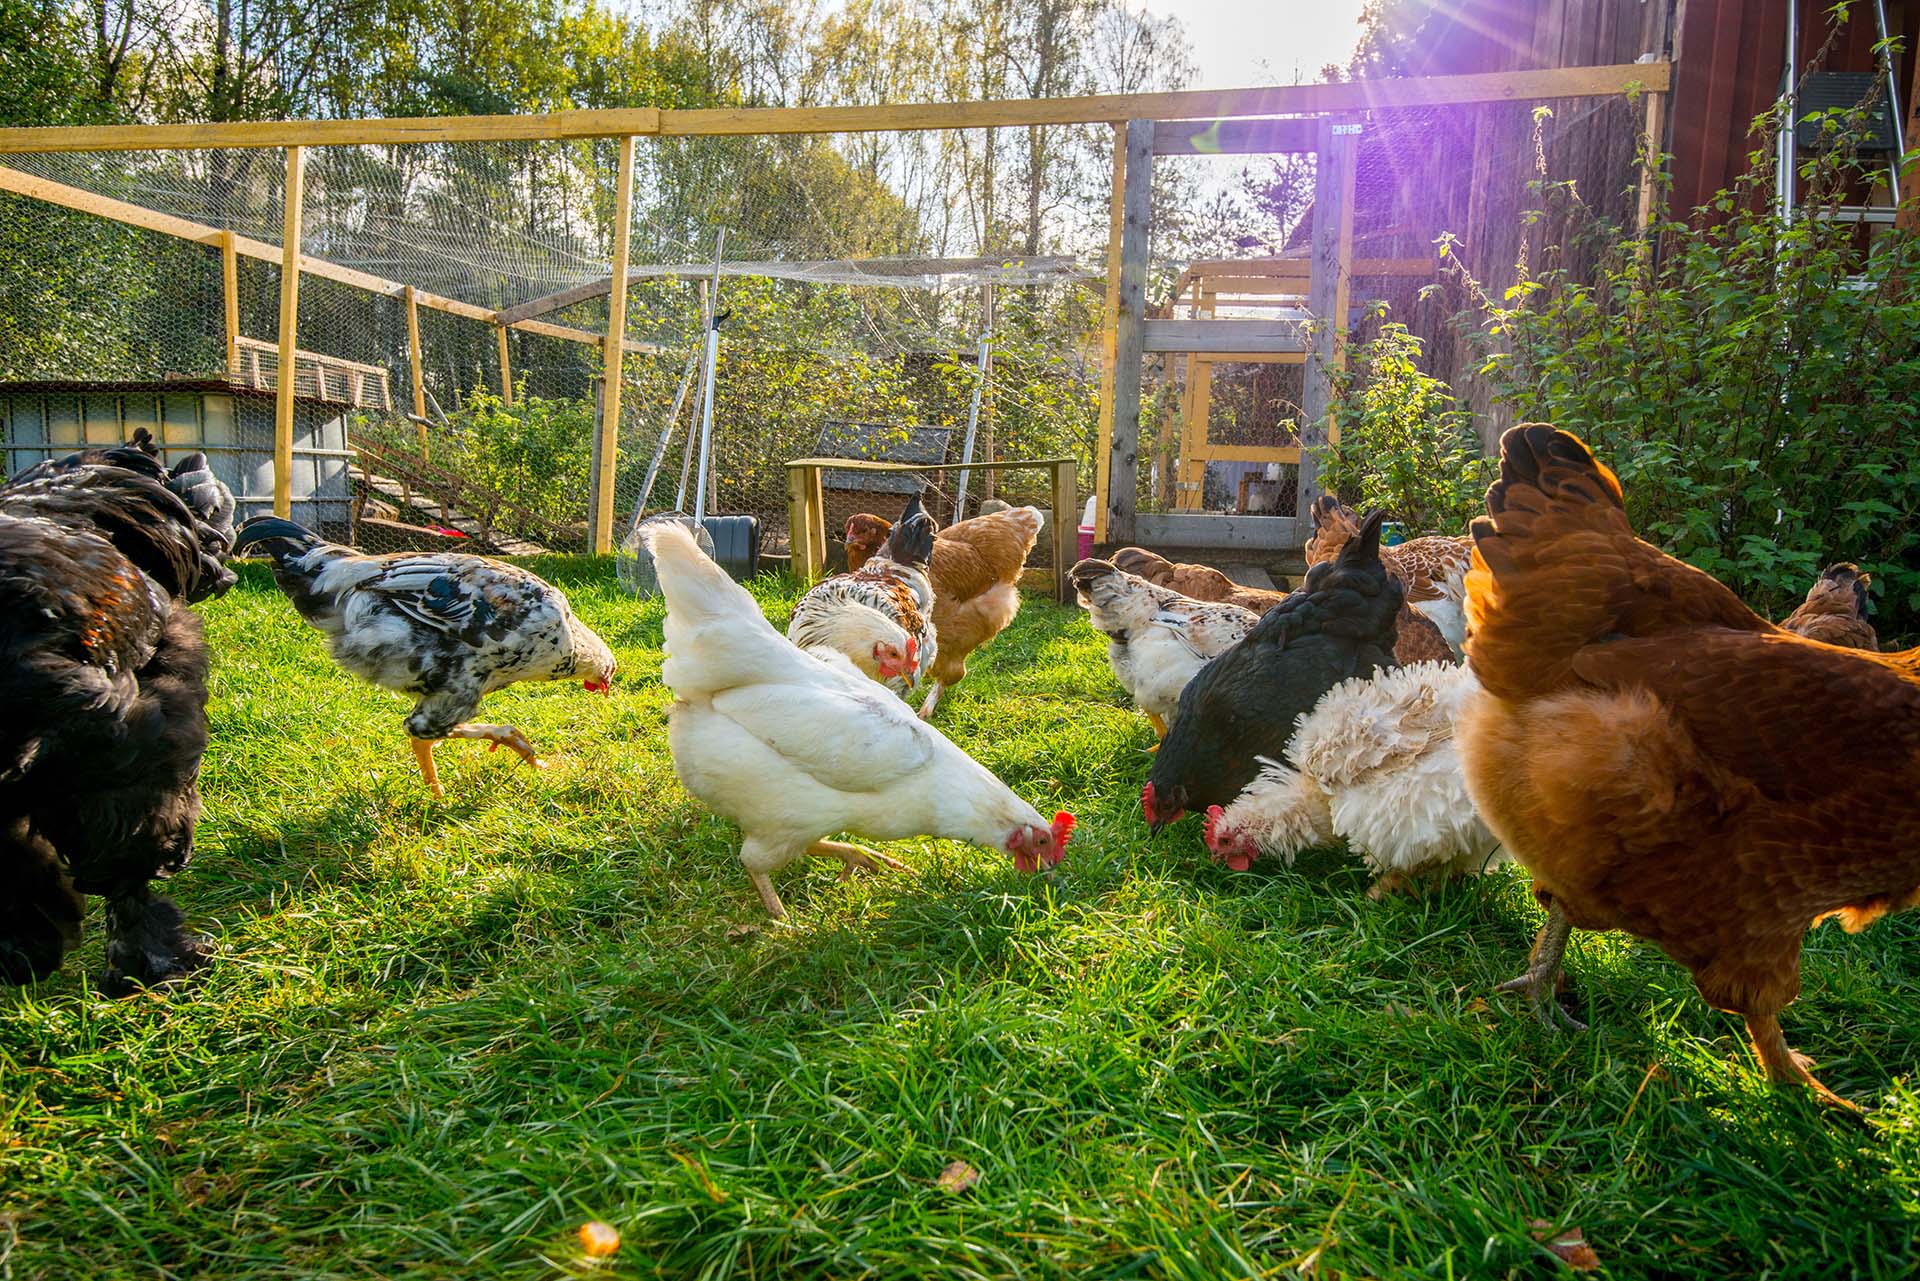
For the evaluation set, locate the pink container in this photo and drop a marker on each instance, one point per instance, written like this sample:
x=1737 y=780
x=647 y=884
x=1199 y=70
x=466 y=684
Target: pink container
x=1086 y=541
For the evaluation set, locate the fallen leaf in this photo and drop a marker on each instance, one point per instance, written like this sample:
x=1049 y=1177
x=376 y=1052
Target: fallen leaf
x=957 y=1177
x=599 y=1239
x=737 y=932
x=1570 y=1247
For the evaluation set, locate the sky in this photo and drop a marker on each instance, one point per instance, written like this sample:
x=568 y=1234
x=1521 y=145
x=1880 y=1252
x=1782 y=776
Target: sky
x=1254 y=42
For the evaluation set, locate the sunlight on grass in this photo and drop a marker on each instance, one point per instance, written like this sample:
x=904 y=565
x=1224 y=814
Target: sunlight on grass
x=440 y=1036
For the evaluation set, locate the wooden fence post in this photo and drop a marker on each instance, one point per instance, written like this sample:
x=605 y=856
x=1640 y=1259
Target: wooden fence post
x=1103 y=444
x=418 y=366
x=1327 y=293
x=291 y=199
x=613 y=354
x=1123 y=466
x=1066 y=529
x=506 y=367
x=230 y=297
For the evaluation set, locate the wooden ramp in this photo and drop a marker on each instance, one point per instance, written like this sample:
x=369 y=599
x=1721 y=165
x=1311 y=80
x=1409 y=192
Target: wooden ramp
x=417 y=488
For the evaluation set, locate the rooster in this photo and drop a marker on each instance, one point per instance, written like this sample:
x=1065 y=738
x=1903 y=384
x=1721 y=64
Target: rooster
x=1157 y=639
x=1835 y=610
x=448 y=629
x=795 y=749
x=1432 y=569
x=103 y=702
x=976 y=581
x=893 y=582
x=1242 y=706
x=1666 y=762
x=1374 y=763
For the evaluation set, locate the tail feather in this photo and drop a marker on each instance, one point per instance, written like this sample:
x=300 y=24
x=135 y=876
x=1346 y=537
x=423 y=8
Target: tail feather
x=280 y=536
x=716 y=636
x=1557 y=567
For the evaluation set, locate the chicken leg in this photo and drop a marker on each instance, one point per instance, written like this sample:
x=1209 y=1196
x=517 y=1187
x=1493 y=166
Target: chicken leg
x=1543 y=974
x=760 y=860
x=933 y=698
x=1783 y=1065
x=498 y=735
x=855 y=856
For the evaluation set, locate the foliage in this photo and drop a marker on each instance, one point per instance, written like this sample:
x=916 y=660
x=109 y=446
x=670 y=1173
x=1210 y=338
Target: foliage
x=1754 y=384
x=1405 y=443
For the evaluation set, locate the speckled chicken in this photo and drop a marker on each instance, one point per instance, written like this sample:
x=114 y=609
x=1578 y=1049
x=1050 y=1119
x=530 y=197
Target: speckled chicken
x=894 y=582
x=448 y=629
x=1157 y=639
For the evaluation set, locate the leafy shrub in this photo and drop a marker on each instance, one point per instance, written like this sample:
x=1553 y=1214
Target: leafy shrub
x=1405 y=443
x=1755 y=384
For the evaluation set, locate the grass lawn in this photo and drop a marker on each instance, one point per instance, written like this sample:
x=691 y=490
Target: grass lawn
x=440 y=1036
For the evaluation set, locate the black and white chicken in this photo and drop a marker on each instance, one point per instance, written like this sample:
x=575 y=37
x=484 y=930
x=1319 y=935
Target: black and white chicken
x=103 y=702
x=895 y=583
x=448 y=629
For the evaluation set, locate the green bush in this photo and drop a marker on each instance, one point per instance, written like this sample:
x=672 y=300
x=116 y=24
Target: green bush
x=1754 y=383
x=1405 y=443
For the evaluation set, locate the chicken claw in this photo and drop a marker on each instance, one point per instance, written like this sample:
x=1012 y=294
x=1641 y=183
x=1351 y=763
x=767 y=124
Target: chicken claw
x=1543 y=975
x=855 y=856
x=501 y=736
x=1786 y=1066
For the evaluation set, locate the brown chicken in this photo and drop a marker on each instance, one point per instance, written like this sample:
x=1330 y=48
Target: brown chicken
x=1433 y=569
x=1417 y=638
x=1666 y=762
x=1835 y=610
x=976 y=576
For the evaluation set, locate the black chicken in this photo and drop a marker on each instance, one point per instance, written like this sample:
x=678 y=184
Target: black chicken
x=1243 y=704
x=103 y=698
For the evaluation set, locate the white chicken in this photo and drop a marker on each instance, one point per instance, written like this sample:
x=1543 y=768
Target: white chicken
x=1157 y=639
x=795 y=748
x=1373 y=762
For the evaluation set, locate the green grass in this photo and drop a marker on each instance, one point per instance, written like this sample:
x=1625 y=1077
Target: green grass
x=439 y=1036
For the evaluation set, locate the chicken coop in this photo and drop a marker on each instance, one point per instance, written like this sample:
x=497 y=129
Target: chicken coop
x=495 y=323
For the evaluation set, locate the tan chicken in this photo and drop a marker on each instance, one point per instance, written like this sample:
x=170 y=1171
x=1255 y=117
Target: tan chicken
x=976 y=582
x=1835 y=610
x=1416 y=638
x=1432 y=569
x=1666 y=762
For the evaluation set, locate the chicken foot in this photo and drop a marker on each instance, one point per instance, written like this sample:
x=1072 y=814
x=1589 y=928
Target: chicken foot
x=1785 y=1066
x=852 y=856
x=1542 y=978
x=498 y=735
x=933 y=698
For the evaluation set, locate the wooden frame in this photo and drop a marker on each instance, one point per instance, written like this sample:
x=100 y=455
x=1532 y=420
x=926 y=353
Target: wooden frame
x=1204 y=104
x=612 y=353
x=292 y=198
x=1109 y=336
x=230 y=299
x=807 y=508
x=1123 y=448
x=506 y=366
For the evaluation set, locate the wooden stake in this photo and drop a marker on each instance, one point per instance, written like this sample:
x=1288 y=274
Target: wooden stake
x=1103 y=445
x=230 y=290
x=418 y=367
x=602 y=496
x=1123 y=469
x=292 y=198
x=506 y=367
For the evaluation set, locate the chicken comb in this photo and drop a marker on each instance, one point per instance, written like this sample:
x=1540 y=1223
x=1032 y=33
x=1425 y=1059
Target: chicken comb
x=1063 y=825
x=1214 y=815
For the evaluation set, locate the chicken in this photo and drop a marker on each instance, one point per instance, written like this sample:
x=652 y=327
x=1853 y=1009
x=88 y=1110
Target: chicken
x=448 y=629
x=795 y=748
x=1375 y=763
x=1666 y=762
x=103 y=703
x=1417 y=638
x=1243 y=705
x=1835 y=610
x=876 y=646
x=1432 y=569
x=1157 y=639
x=894 y=582
x=976 y=581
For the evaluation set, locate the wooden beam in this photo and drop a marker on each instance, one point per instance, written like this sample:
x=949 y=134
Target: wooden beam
x=416 y=364
x=1190 y=491
x=292 y=197
x=1207 y=530
x=875 y=464
x=1327 y=295
x=1066 y=530
x=506 y=366
x=230 y=299
x=1223 y=335
x=1110 y=316
x=1206 y=104
x=1212 y=453
x=1643 y=204
x=1123 y=467
x=55 y=193
x=613 y=355
x=1231 y=137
